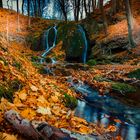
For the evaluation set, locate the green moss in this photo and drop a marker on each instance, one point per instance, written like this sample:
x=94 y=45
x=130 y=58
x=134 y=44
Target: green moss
x=123 y=88
x=34 y=58
x=43 y=70
x=5 y=62
x=92 y=62
x=8 y=92
x=99 y=78
x=70 y=101
x=135 y=74
x=17 y=65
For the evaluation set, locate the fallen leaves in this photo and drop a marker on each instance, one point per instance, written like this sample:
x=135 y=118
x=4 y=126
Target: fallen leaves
x=44 y=111
x=111 y=128
x=22 y=95
x=34 y=88
x=28 y=113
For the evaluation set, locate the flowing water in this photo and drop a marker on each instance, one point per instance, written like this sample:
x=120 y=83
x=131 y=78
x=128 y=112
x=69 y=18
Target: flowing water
x=104 y=110
x=48 y=47
x=84 y=57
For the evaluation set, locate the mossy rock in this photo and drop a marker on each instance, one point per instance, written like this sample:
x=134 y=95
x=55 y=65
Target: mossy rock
x=123 y=88
x=92 y=62
x=70 y=102
x=134 y=74
x=73 y=42
x=99 y=78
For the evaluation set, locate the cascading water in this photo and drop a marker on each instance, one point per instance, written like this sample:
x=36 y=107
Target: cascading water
x=53 y=61
x=84 y=55
x=49 y=48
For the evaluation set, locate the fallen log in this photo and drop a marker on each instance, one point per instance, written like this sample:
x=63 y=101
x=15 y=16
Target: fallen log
x=42 y=131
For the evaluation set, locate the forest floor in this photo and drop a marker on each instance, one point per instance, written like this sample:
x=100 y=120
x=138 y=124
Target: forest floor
x=41 y=97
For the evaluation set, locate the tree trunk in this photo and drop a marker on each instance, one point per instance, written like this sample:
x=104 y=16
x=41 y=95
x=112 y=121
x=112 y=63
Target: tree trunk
x=85 y=6
x=1 y=4
x=17 y=6
x=129 y=23
x=23 y=6
x=114 y=7
x=103 y=16
x=28 y=5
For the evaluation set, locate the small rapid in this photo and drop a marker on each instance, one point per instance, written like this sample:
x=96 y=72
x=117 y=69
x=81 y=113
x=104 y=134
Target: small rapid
x=48 y=47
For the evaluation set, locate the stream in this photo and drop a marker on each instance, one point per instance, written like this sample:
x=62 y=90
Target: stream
x=102 y=110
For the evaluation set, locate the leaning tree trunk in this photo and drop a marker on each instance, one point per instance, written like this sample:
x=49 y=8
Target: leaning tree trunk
x=1 y=4
x=129 y=23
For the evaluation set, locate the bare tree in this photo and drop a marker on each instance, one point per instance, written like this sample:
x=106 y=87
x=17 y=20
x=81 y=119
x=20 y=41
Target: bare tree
x=77 y=6
x=23 y=2
x=130 y=23
x=64 y=7
x=28 y=9
x=1 y=4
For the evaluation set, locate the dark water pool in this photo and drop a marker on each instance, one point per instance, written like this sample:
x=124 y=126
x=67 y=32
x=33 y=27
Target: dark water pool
x=103 y=110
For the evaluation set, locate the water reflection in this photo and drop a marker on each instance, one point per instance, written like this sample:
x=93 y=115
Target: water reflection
x=103 y=110
x=99 y=116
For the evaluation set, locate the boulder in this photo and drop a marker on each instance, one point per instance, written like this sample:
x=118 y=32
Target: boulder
x=73 y=43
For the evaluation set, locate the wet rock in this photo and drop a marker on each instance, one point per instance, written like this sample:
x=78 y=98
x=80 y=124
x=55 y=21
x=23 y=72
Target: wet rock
x=73 y=42
x=39 y=41
x=108 y=48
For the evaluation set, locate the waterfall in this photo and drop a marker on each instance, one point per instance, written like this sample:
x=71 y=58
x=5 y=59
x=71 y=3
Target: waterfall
x=84 y=56
x=49 y=48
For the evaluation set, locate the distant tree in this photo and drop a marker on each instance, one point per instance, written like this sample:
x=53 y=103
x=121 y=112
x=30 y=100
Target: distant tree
x=23 y=2
x=1 y=4
x=63 y=6
x=85 y=7
x=129 y=23
x=77 y=8
x=17 y=6
x=18 y=23
x=28 y=9
x=8 y=4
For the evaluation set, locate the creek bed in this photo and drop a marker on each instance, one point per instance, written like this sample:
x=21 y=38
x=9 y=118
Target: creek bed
x=104 y=110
